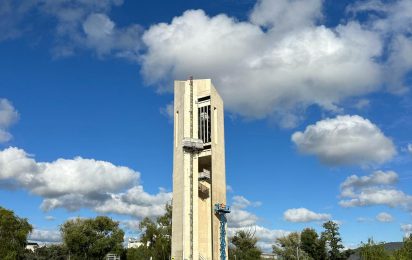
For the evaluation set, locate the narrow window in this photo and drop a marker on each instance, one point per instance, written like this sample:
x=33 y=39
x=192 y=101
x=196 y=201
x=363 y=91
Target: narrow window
x=215 y=122
x=176 y=128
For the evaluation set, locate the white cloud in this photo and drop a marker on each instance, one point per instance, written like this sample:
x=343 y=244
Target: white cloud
x=48 y=236
x=345 y=140
x=266 y=236
x=376 y=189
x=378 y=196
x=12 y=15
x=363 y=219
x=79 y=25
x=285 y=15
x=384 y=217
x=241 y=202
x=168 y=111
x=409 y=148
x=50 y=218
x=239 y=216
x=131 y=225
x=406 y=229
x=105 y=38
x=362 y=104
x=241 y=219
x=8 y=116
x=394 y=23
x=78 y=183
x=304 y=215
x=136 y=202
x=278 y=62
x=86 y=25
x=265 y=72
x=355 y=182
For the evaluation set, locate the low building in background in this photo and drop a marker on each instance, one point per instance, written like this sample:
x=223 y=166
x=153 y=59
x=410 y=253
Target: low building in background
x=268 y=256
x=32 y=246
x=134 y=243
x=111 y=256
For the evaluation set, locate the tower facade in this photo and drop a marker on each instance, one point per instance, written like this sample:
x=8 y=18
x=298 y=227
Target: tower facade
x=199 y=181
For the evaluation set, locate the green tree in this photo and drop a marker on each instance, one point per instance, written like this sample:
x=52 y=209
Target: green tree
x=373 y=251
x=312 y=244
x=244 y=246
x=156 y=235
x=290 y=247
x=92 y=238
x=332 y=237
x=405 y=253
x=13 y=235
x=49 y=252
x=139 y=253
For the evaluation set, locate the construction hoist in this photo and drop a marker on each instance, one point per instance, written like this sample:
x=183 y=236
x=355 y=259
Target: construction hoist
x=221 y=210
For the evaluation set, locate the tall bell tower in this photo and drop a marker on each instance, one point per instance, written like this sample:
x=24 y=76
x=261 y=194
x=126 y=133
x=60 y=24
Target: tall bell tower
x=199 y=181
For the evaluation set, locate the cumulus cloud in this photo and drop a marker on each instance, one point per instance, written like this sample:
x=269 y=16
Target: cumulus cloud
x=406 y=229
x=47 y=236
x=304 y=215
x=136 y=202
x=285 y=15
x=277 y=62
x=345 y=140
x=409 y=148
x=105 y=38
x=384 y=217
x=265 y=236
x=79 y=25
x=394 y=23
x=375 y=189
x=131 y=225
x=78 y=183
x=264 y=72
x=240 y=217
x=86 y=25
x=8 y=116
x=355 y=182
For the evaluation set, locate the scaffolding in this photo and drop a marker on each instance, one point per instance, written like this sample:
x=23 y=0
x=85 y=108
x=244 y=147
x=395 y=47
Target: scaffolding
x=192 y=144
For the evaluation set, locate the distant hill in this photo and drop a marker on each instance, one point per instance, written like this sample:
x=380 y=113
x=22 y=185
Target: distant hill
x=391 y=246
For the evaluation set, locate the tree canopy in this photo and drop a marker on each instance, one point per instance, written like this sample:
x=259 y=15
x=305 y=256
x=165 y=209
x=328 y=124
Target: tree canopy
x=243 y=246
x=405 y=253
x=47 y=252
x=290 y=247
x=13 y=235
x=312 y=244
x=155 y=238
x=373 y=251
x=332 y=237
x=92 y=238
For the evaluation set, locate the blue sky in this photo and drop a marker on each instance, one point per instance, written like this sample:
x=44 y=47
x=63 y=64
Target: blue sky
x=317 y=97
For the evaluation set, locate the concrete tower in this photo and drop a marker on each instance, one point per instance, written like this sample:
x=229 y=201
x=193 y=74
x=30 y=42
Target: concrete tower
x=199 y=181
